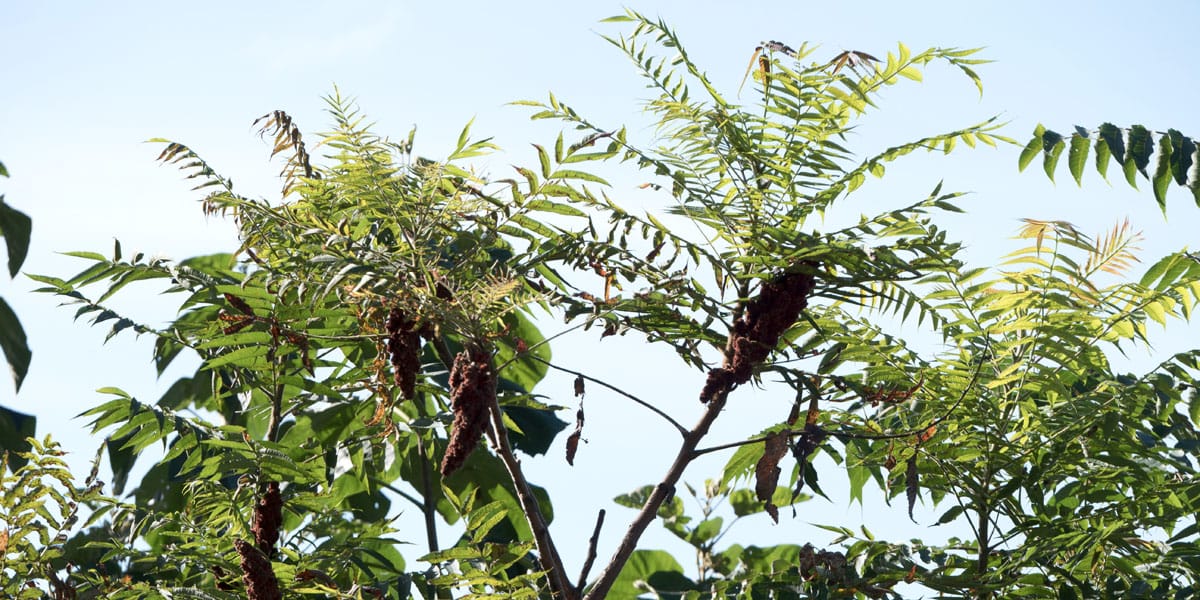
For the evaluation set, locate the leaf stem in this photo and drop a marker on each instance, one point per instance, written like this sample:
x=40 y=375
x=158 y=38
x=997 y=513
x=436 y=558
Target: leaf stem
x=680 y=428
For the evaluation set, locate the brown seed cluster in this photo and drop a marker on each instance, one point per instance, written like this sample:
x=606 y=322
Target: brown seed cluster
x=404 y=349
x=757 y=332
x=767 y=471
x=268 y=518
x=260 y=580
x=472 y=389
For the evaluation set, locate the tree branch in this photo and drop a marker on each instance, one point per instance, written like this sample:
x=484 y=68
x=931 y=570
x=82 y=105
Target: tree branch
x=680 y=428
x=661 y=492
x=551 y=561
x=591 y=553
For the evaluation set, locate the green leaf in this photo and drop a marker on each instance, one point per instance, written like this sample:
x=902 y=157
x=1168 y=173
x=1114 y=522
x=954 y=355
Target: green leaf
x=1077 y=157
x=1162 y=172
x=1141 y=146
x=650 y=567
x=544 y=159
x=1102 y=157
x=1194 y=408
x=950 y=515
x=1114 y=140
x=1031 y=149
x=15 y=429
x=1052 y=146
x=1182 y=149
x=13 y=344
x=15 y=227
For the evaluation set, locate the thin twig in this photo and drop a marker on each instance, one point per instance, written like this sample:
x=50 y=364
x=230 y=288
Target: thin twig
x=591 y=553
x=680 y=428
x=399 y=492
x=534 y=346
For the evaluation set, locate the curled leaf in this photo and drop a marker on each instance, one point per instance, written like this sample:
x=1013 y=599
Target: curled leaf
x=573 y=439
x=579 y=386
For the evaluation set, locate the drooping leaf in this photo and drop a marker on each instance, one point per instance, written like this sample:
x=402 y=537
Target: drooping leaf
x=1077 y=157
x=13 y=344
x=15 y=227
x=15 y=429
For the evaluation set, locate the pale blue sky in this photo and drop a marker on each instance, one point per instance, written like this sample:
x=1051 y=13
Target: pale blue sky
x=84 y=84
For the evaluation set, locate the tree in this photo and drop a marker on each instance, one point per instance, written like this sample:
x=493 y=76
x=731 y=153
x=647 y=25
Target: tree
x=374 y=339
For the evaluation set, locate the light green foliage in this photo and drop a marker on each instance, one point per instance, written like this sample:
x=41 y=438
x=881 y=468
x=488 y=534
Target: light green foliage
x=1073 y=479
x=40 y=507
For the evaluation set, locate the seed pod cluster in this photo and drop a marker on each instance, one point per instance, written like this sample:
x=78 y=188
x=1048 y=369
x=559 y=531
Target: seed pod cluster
x=268 y=518
x=404 y=349
x=757 y=332
x=767 y=471
x=260 y=580
x=472 y=390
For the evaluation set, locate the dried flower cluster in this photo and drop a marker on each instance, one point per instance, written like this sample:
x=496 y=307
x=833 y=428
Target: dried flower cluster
x=767 y=471
x=404 y=349
x=757 y=332
x=472 y=390
x=268 y=518
x=260 y=580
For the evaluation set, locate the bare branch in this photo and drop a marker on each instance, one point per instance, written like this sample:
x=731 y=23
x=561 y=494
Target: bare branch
x=591 y=553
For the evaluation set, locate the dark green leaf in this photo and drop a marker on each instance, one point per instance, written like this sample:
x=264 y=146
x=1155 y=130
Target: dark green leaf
x=1052 y=147
x=1182 y=149
x=15 y=429
x=15 y=227
x=13 y=344
x=1115 y=141
x=1141 y=146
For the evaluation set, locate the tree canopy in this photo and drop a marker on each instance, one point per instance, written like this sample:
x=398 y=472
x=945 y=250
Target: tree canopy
x=379 y=335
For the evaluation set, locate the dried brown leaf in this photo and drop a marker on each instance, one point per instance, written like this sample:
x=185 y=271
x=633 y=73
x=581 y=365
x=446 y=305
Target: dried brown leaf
x=573 y=439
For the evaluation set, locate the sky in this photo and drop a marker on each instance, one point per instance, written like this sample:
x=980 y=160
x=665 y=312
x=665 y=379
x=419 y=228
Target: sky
x=86 y=84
